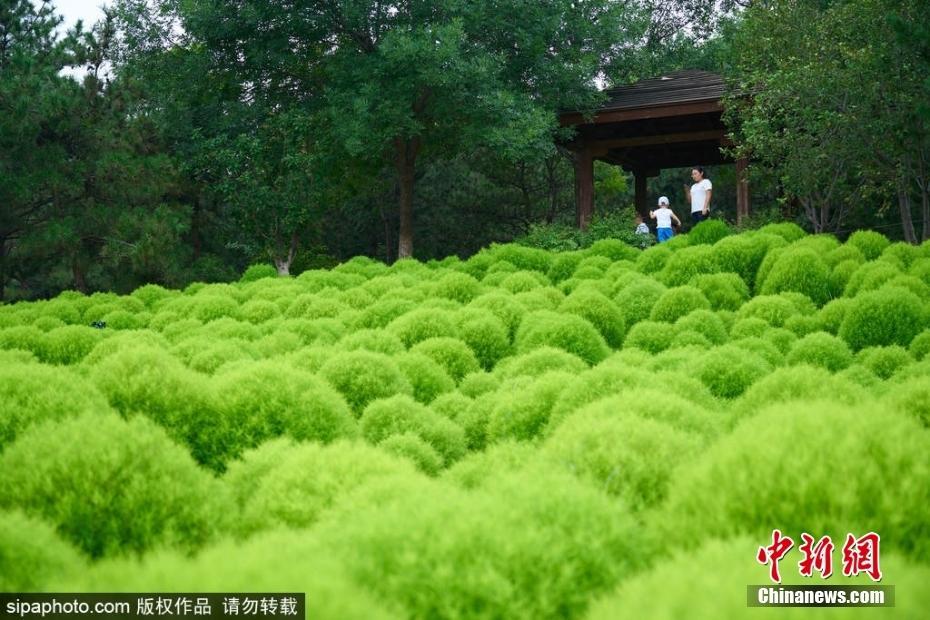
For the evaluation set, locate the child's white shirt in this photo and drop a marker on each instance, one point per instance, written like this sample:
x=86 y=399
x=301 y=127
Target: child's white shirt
x=663 y=217
x=642 y=229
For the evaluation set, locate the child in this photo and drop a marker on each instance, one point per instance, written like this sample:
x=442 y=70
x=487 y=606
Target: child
x=664 y=217
x=641 y=228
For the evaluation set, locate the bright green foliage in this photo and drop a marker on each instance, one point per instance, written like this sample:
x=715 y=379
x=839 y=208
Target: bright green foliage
x=299 y=487
x=33 y=393
x=261 y=400
x=800 y=382
x=426 y=376
x=480 y=468
x=628 y=456
x=600 y=311
x=724 y=291
x=421 y=324
x=761 y=347
x=410 y=446
x=773 y=309
x=69 y=344
x=708 y=232
x=363 y=376
x=789 y=231
x=884 y=361
x=564 y=331
x=742 y=255
x=704 y=323
x=637 y=300
x=686 y=263
x=727 y=371
x=485 y=333
x=821 y=349
x=453 y=355
x=920 y=345
x=723 y=492
x=401 y=414
x=460 y=287
x=579 y=545
x=522 y=409
x=32 y=554
x=372 y=340
x=912 y=397
x=258 y=271
x=64 y=471
x=650 y=336
x=800 y=270
x=678 y=302
x=869 y=242
x=652 y=259
x=868 y=277
x=259 y=311
x=886 y=317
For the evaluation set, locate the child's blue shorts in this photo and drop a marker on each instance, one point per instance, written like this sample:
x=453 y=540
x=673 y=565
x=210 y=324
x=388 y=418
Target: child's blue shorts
x=664 y=234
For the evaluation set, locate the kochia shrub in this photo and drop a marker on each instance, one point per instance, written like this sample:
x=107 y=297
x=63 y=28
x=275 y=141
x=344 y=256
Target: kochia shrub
x=868 y=277
x=773 y=309
x=258 y=271
x=564 y=331
x=537 y=362
x=628 y=456
x=363 y=376
x=709 y=498
x=522 y=407
x=64 y=471
x=821 y=349
x=458 y=286
x=650 y=336
x=427 y=377
x=485 y=333
x=869 y=242
x=453 y=355
x=727 y=371
x=800 y=270
x=885 y=317
x=677 y=302
x=69 y=344
x=600 y=311
x=401 y=414
x=33 y=393
x=912 y=397
x=724 y=291
x=686 y=263
x=801 y=382
x=920 y=345
x=261 y=400
x=884 y=361
x=637 y=300
x=708 y=232
x=32 y=554
x=421 y=324
x=704 y=323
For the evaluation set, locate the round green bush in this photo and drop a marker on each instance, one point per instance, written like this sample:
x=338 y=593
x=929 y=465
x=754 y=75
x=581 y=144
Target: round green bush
x=486 y=335
x=727 y=370
x=261 y=400
x=460 y=287
x=637 y=300
x=869 y=242
x=742 y=254
x=802 y=325
x=210 y=307
x=24 y=338
x=504 y=306
x=600 y=311
x=800 y=270
x=651 y=336
x=868 y=277
x=383 y=312
x=678 y=302
x=309 y=478
x=920 y=345
x=912 y=397
x=884 y=361
x=112 y=486
x=245 y=473
x=724 y=491
x=426 y=376
x=363 y=376
x=773 y=309
x=687 y=263
x=453 y=355
x=521 y=408
x=830 y=317
x=708 y=232
x=258 y=271
x=152 y=294
x=477 y=469
x=32 y=554
x=800 y=382
x=820 y=349
x=653 y=259
x=376 y=340
x=421 y=324
x=546 y=298
x=563 y=265
x=401 y=414
x=534 y=544
x=724 y=291
x=523 y=281
x=881 y=318
x=564 y=331
x=411 y=446
x=761 y=347
x=628 y=456
x=33 y=393
x=69 y=344
x=789 y=231
x=476 y=383
x=259 y=310
x=704 y=323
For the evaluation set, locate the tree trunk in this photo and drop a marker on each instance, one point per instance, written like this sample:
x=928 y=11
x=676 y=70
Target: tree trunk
x=405 y=161
x=907 y=219
x=282 y=262
x=925 y=212
x=77 y=271
x=2 y=268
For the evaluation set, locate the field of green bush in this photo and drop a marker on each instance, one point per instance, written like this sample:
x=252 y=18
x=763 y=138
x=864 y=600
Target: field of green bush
x=605 y=433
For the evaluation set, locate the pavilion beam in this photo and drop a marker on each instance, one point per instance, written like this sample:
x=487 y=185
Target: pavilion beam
x=584 y=187
x=669 y=138
x=742 y=190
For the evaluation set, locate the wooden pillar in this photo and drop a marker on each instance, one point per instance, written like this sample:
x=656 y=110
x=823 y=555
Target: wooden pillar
x=742 y=190
x=584 y=187
x=639 y=181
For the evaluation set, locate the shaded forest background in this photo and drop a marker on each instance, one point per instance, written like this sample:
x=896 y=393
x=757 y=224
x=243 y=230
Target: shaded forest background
x=177 y=141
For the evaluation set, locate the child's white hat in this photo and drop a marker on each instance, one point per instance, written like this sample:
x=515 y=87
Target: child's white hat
x=663 y=200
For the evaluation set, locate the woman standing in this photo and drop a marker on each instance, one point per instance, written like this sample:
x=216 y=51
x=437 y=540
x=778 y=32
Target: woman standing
x=699 y=195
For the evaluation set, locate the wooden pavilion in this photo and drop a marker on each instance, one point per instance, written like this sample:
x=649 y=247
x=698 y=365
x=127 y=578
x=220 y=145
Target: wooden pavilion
x=667 y=122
